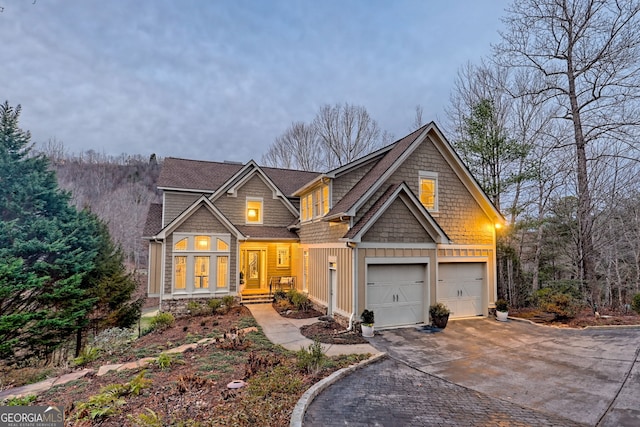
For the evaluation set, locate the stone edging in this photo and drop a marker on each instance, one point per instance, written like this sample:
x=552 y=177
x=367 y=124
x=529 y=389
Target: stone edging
x=519 y=319
x=305 y=400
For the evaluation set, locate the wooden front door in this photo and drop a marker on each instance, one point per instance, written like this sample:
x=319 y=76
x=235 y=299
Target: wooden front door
x=253 y=269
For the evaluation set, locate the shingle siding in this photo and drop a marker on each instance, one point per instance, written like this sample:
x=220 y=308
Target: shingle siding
x=322 y=232
x=275 y=213
x=342 y=184
x=397 y=224
x=176 y=203
x=458 y=214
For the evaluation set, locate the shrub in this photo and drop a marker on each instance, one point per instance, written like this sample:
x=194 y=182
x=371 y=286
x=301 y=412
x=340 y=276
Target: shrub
x=215 y=305
x=559 y=300
x=438 y=310
x=635 y=303
x=195 y=308
x=279 y=295
x=502 y=305
x=229 y=301
x=367 y=317
x=113 y=340
x=162 y=321
x=299 y=300
x=311 y=359
x=20 y=401
x=87 y=354
x=150 y=419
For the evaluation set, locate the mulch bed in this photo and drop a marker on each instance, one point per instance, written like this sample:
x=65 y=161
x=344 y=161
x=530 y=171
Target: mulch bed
x=583 y=319
x=331 y=332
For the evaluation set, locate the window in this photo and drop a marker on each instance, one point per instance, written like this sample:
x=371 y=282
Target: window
x=203 y=243
x=223 y=271
x=429 y=190
x=180 y=272
x=283 y=256
x=200 y=261
x=254 y=211
x=181 y=245
x=201 y=272
x=315 y=204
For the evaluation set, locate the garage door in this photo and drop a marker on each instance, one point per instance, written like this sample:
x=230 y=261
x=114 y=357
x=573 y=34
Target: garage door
x=395 y=293
x=460 y=287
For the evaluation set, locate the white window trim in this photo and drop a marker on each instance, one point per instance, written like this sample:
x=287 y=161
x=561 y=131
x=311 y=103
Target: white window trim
x=213 y=253
x=260 y=214
x=433 y=176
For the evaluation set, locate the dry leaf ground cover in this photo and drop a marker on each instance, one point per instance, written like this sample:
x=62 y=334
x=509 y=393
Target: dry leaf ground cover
x=191 y=389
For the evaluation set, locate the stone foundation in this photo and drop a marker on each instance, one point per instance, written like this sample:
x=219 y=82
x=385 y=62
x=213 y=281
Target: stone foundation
x=180 y=307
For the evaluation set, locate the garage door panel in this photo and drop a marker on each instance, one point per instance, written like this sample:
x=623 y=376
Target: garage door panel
x=460 y=287
x=395 y=293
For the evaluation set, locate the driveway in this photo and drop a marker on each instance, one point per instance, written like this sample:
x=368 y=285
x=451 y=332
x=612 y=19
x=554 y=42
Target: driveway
x=512 y=373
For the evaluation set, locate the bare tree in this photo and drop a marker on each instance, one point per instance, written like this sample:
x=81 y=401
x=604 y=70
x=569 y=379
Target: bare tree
x=297 y=148
x=586 y=54
x=347 y=132
x=337 y=135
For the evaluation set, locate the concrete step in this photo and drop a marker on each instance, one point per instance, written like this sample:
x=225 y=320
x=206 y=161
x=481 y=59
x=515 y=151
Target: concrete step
x=257 y=299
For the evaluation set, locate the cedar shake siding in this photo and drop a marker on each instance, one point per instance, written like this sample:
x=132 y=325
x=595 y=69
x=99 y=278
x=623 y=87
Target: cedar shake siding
x=176 y=203
x=397 y=224
x=275 y=213
x=322 y=231
x=201 y=221
x=343 y=183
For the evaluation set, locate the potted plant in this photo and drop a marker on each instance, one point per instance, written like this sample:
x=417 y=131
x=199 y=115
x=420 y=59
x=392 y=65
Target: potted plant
x=502 y=310
x=439 y=314
x=367 y=323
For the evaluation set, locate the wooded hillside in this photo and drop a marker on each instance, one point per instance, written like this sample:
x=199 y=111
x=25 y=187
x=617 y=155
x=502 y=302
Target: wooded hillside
x=117 y=189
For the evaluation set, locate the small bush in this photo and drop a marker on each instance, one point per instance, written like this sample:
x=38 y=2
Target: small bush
x=635 y=303
x=438 y=310
x=196 y=309
x=367 y=317
x=228 y=301
x=113 y=340
x=279 y=295
x=502 y=305
x=150 y=419
x=162 y=321
x=87 y=354
x=300 y=301
x=215 y=305
x=20 y=401
x=311 y=359
x=558 y=300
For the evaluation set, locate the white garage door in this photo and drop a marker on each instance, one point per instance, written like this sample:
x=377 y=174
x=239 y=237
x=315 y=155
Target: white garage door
x=460 y=288
x=395 y=293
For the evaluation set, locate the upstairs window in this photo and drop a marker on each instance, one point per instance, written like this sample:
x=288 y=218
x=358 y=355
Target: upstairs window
x=254 y=211
x=203 y=243
x=315 y=204
x=429 y=190
x=181 y=245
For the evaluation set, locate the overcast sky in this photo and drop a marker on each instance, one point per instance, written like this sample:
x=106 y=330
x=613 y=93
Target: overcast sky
x=220 y=80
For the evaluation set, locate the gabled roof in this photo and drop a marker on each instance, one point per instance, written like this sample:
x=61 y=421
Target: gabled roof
x=205 y=176
x=372 y=181
x=392 y=193
x=201 y=201
x=399 y=151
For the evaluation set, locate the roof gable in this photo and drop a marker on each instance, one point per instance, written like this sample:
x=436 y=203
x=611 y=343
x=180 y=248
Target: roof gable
x=202 y=201
x=397 y=192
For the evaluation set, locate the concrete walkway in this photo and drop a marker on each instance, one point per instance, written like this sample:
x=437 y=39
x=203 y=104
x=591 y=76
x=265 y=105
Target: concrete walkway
x=286 y=332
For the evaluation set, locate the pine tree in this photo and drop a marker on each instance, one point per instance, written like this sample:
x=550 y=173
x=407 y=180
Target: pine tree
x=56 y=264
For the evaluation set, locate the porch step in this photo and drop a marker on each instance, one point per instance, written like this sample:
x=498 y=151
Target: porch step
x=256 y=298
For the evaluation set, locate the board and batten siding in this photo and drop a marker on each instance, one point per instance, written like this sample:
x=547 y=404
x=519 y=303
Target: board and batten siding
x=319 y=276
x=155 y=269
x=398 y=253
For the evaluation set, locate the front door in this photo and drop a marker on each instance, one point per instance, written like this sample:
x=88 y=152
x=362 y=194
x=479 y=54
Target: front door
x=253 y=269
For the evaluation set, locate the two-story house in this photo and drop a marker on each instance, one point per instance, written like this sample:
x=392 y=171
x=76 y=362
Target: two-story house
x=393 y=231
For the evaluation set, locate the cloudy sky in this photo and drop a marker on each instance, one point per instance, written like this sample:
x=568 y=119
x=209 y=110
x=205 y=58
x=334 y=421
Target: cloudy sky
x=221 y=79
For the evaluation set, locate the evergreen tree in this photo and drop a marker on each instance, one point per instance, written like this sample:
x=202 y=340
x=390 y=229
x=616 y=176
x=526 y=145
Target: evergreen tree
x=56 y=264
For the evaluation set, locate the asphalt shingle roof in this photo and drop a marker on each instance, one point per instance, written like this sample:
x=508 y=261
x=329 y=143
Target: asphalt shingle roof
x=154 y=220
x=209 y=176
